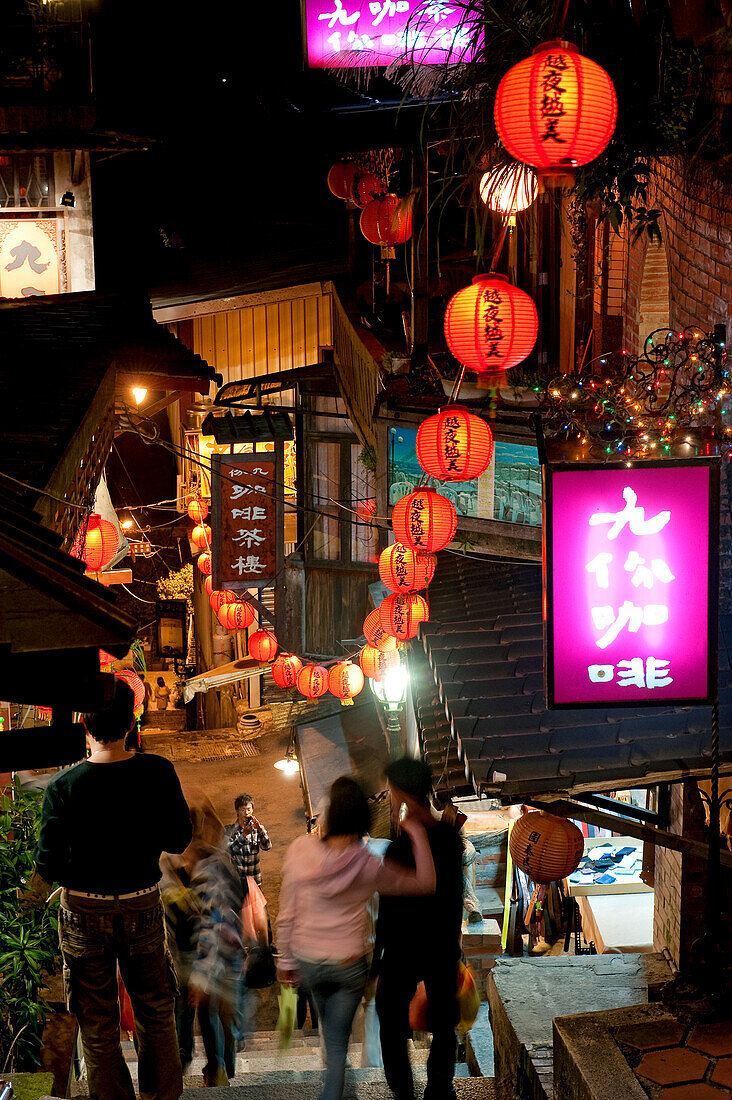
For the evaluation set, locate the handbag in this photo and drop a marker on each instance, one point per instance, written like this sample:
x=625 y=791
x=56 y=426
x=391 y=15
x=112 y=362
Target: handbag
x=288 y=1014
x=468 y=1000
x=260 y=969
x=254 y=915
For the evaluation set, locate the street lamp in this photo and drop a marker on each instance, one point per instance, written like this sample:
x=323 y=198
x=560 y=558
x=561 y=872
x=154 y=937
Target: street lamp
x=391 y=692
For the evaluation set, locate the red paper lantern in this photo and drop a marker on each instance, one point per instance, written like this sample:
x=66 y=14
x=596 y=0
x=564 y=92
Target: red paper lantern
x=198 y=510
x=96 y=543
x=285 y=670
x=345 y=680
x=424 y=521
x=208 y=586
x=491 y=325
x=201 y=536
x=375 y=634
x=312 y=681
x=219 y=598
x=403 y=570
x=375 y=662
x=545 y=847
x=105 y=658
x=203 y=561
x=555 y=109
x=387 y=220
x=341 y=177
x=366 y=187
x=509 y=188
x=455 y=445
x=401 y=615
x=133 y=681
x=262 y=645
x=236 y=616
x=366 y=510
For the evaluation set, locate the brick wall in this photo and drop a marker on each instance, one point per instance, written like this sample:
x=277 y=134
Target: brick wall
x=490 y=862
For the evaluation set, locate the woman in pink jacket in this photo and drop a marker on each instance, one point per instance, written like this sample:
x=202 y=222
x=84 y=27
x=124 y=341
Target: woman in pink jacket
x=322 y=928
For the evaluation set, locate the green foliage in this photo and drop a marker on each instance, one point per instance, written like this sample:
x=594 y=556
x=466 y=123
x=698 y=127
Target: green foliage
x=367 y=457
x=29 y=948
x=178 y=586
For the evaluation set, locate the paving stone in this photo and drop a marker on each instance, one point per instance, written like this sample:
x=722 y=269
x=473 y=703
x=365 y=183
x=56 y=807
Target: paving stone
x=698 y=1091
x=723 y=1073
x=715 y=1039
x=673 y=1066
x=664 y=1033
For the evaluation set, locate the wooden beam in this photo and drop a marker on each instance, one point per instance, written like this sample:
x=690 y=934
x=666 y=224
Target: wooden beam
x=627 y=827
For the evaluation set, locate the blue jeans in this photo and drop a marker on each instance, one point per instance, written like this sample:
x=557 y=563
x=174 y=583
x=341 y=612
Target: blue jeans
x=337 y=991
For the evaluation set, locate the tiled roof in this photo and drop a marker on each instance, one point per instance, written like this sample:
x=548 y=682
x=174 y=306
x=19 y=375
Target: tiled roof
x=484 y=649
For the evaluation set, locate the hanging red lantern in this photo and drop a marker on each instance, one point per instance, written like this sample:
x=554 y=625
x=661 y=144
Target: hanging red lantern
x=366 y=187
x=198 y=510
x=312 y=681
x=219 y=598
x=404 y=570
x=455 y=445
x=208 y=586
x=96 y=543
x=375 y=634
x=201 y=536
x=491 y=325
x=341 y=177
x=424 y=521
x=105 y=658
x=387 y=220
x=285 y=670
x=509 y=189
x=545 y=847
x=345 y=680
x=375 y=662
x=366 y=510
x=203 y=561
x=401 y=615
x=236 y=616
x=556 y=109
x=138 y=687
x=262 y=646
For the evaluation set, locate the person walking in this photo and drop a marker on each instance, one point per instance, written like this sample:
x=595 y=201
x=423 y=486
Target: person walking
x=162 y=694
x=420 y=941
x=105 y=823
x=246 y=838
x=217 y=970
x=323 y=924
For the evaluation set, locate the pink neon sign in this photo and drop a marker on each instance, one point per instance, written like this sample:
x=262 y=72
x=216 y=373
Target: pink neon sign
x=360 y=33
x=630 y=614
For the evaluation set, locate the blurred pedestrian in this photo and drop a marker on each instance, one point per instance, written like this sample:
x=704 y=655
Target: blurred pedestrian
x=420 y=940
x=105 y=823
x=246 y=838
x=322 y=928
x=217 y=970
x=162 y=694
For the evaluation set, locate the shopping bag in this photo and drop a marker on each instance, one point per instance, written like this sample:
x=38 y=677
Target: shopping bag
x=254 y=915
x=288 y=1014
x=468 y=1001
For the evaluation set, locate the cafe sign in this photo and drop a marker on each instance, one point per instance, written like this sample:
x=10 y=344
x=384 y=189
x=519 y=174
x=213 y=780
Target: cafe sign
x=244 y=512
x=631 y=592
x=31 y=257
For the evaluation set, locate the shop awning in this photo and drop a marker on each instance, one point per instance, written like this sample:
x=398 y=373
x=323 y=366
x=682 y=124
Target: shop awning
x=243 y=669
x=484 y=691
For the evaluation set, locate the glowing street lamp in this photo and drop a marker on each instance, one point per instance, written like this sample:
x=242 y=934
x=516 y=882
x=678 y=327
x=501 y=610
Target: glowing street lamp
x=391 y=691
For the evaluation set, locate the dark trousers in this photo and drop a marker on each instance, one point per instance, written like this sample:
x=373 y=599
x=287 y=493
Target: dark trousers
x=398 y=982
x=95 y=937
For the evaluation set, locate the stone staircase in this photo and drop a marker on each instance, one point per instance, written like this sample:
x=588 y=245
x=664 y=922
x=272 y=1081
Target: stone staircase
x=264 y=1071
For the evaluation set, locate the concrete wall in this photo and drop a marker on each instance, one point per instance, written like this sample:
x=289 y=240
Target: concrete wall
x=78 y=220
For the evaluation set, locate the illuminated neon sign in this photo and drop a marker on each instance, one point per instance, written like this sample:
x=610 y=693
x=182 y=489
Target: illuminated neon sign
x=631 y=583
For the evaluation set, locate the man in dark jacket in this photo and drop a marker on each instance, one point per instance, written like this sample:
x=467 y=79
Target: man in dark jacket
x=105 y=823
x=418 y=939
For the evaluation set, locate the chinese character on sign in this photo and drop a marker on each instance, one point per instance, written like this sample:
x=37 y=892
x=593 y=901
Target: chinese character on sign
x=633 y=516
x=249 y=538
x=245 y=511
x=29 y=257
x=248 y=565
x=340 y=15
x=633 y=673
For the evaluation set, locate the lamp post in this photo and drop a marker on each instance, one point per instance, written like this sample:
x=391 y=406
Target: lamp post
x=391 y=692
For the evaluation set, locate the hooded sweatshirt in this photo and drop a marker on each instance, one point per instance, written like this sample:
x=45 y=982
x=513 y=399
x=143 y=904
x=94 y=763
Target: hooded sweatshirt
x=323 y=915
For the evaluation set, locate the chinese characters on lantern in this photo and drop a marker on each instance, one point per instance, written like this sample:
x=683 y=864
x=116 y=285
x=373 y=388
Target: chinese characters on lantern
x=376 y=32
x=630 y=613
x=493 y=322
x=552 y=96
x=244 y=512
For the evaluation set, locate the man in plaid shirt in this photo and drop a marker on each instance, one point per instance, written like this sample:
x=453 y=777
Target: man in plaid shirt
x=246 y=838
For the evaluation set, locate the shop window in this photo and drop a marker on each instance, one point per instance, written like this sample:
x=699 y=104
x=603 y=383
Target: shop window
x=26 y=182
x=326 y=480
x=364 y=536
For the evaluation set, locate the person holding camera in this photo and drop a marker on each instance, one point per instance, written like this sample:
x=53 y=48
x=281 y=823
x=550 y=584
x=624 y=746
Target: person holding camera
x=246 y=838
